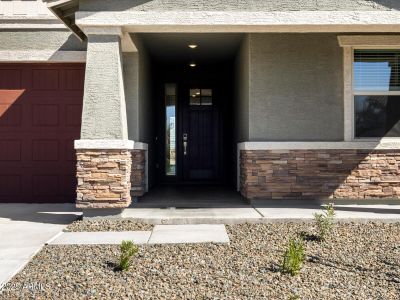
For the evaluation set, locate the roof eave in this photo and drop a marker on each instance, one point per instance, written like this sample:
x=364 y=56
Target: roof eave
x=65 y=11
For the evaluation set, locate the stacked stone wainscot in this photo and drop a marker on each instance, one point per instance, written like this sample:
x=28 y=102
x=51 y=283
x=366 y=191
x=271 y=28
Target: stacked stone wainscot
x=320 y=174
x=138 y=176
x=103 y=178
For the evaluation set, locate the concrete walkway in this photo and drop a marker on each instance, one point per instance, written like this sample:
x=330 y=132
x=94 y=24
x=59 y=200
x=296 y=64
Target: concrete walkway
x=264 y=212
x=161 y=234
x=25 y=228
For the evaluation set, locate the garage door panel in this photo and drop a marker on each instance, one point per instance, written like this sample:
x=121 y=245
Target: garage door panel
x=10 y=115
x=46 y=79
x=45 y=150
x=10 y=78
x=74 y=79
x=45 y=115
x=10 y=185
x=40 y=117
x=10 y=150
x=45 y=185
x=73 y=115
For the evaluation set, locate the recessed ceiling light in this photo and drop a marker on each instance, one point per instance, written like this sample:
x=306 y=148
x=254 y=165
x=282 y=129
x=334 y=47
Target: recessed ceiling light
x=192 y=65
x=192 y=46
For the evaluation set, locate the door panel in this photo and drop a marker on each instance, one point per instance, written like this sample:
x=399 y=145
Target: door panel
x=200 y=126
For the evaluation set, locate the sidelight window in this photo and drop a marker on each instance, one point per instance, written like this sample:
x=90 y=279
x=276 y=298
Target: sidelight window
x=170 y=129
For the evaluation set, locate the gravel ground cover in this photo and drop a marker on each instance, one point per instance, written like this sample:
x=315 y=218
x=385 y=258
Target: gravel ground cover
x=358 y=261
x=107 y=225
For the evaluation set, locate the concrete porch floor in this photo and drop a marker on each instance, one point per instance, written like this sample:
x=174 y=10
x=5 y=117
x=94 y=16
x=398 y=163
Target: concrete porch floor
x=192 y=196
x=216 y=205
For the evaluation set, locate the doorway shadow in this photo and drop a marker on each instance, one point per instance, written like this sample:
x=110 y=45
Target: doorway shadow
x=192 y=196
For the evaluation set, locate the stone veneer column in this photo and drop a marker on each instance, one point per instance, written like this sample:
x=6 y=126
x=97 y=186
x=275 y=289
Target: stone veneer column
x=103 y=178
x=104 y=152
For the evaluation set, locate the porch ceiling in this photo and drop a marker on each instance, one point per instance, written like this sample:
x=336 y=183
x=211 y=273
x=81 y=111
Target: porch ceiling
x=173 y=47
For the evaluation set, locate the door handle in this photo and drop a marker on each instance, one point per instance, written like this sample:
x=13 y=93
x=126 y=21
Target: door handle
x=185 y=143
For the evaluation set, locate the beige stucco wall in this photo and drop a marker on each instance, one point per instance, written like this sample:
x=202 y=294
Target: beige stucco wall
x=40 y=39
x=242 y=92
x=296 y=87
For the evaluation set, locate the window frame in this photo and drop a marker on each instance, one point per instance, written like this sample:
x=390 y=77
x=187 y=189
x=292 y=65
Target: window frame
x=350 y=94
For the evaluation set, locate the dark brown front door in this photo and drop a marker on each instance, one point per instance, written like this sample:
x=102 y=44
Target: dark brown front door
x=40 y=117
x=199 y=134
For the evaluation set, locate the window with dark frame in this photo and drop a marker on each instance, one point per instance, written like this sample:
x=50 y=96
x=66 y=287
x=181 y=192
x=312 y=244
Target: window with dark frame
x=200 y=97
x=376 y=91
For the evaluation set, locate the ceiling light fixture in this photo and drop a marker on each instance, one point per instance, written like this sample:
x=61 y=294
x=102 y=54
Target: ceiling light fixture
x=192 y=65
x=192 y=46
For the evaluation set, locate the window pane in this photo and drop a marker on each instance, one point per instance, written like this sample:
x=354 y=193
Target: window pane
x=170 y=129
x=377 y=116
x=195 y=96
x=376 y=70
x=206 y=100
x=206 y=92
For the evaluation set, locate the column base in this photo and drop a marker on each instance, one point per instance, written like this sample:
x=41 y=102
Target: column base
x=103 y=178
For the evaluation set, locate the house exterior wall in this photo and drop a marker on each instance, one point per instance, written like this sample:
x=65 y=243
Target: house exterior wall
x=289 y=87
x=21 y=8
x=295 y=79
x=40 y=39
x=233 y=5
x=242 y=92
x=138 y=95
x=131 y=83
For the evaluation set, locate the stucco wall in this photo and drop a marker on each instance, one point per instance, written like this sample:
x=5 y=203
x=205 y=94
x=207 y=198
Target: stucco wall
x=139 y=102
x=296 y=87
x=40 y=40
x=241 y=104
x=104 y=108
x=246 y=5
x=131 y=83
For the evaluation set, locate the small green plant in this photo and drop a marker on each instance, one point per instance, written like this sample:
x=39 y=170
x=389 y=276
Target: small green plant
x=294 y=297
x=325 y=221
x=294 y=257
x=128 y=250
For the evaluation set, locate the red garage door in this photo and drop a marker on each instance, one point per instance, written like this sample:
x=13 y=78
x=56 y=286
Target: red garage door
x=40 y=117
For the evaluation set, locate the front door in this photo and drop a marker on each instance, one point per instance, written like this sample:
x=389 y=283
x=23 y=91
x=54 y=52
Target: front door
x=192 y=134
x=199 y=134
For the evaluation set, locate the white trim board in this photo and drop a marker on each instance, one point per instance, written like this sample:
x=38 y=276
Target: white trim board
x=385 y=144
x=42 y=56
x=104 y=144
x=369 y=41
x=244 y=21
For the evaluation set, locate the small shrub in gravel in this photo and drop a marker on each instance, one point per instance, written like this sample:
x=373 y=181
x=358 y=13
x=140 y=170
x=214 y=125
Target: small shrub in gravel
x=294 y=257
x=325 y=221
x=128 y=250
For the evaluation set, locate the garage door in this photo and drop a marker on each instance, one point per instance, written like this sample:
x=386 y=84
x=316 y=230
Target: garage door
x=40 y=117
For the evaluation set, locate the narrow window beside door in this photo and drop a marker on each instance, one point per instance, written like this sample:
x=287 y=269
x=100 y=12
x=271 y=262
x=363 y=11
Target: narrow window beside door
x=170 y=129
